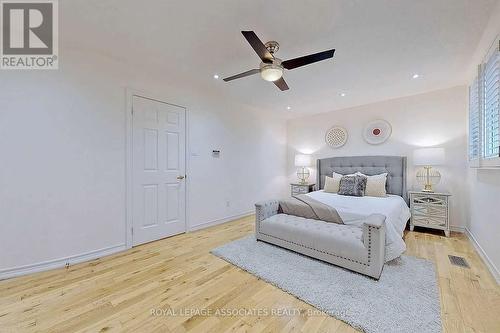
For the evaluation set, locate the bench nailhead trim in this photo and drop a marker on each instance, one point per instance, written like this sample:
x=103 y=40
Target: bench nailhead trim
x=310 y=248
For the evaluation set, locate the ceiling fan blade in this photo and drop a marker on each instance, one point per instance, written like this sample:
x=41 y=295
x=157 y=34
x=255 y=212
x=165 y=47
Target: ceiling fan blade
x=258 y=46
x=308 y=59
x=281 y=84
x=239 y=76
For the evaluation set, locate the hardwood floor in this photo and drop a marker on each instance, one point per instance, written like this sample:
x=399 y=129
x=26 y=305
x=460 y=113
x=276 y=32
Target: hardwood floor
x=120 y=292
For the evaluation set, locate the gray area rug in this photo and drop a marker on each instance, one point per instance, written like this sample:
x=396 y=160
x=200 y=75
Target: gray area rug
x=405 y=299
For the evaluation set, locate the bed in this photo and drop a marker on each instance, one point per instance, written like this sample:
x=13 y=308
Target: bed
x=372 y=228
x=352 y=210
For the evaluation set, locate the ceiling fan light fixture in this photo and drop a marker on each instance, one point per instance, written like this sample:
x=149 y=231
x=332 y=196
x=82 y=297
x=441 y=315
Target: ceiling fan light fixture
x=271 y=68
x=271 y=72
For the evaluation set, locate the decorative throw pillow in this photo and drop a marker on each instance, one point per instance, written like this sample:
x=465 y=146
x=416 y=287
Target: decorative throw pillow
x=353 y=185
x=332 y=184
x=375 y=185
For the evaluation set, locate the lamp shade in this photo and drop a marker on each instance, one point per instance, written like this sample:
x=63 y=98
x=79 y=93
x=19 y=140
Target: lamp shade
x=428 y=156
x=302 y=160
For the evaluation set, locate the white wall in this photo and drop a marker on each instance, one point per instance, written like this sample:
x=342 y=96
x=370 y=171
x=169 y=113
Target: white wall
x=484 y=220
x=432 y=119
x=484 y=185
x=62 y=174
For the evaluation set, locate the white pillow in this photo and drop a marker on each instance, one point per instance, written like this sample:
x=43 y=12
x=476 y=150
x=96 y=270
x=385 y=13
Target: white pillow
x=332 y=184
x=375 y=185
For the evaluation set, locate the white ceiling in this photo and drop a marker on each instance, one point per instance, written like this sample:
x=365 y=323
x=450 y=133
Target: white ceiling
x=379 y=44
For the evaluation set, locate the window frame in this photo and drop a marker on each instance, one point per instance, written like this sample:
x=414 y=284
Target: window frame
x=482 y=160
x=474 y=146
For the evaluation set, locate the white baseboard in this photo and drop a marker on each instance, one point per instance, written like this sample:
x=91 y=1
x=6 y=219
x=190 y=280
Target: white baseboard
x=491 y=266
x=58 y=263
x=220 y=221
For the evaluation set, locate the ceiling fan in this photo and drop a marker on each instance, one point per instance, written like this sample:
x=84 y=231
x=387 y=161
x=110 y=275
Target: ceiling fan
x=271 y=68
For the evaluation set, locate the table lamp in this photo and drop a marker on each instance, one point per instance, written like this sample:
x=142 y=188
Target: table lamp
x=428 y=157
x=303 y=162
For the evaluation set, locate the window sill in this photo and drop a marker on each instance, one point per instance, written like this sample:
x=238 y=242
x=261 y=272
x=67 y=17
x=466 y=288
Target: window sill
x=489 y=163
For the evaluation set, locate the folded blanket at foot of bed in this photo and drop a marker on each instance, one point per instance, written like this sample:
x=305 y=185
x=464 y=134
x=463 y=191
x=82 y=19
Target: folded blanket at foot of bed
x=307 y=207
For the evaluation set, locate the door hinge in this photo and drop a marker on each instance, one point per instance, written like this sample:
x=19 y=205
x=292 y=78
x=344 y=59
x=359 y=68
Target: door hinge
x=132 y=231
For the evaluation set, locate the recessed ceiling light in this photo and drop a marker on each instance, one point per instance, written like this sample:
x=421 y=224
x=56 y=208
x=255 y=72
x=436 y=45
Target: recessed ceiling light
x=216 y=76
x=415 y=76
x=288 y=107
x=342 y=94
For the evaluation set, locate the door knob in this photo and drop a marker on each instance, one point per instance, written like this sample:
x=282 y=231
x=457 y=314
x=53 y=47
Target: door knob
x=180 y=177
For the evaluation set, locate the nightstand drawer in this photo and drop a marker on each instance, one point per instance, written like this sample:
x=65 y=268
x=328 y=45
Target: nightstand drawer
x=300 y=189
x=297 y=189
x=431 y=210
x=418 y=199
x=426 y=220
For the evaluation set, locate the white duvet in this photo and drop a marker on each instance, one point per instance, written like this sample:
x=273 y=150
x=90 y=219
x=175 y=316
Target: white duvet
x=353 y=210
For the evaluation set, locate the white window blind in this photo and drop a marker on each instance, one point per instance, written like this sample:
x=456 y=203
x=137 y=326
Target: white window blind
x=484 y=112
x=491 y=90
x=474 y=122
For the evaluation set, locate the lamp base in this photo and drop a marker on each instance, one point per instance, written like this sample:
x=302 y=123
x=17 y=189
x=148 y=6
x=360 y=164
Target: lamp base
x=303 y=175
x=428 y=188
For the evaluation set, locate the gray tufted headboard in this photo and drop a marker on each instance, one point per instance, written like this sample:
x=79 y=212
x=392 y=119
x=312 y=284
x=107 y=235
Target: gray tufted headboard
x=395 y=166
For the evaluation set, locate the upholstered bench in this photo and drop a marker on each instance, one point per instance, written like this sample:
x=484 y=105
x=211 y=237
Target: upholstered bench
x=360 y=249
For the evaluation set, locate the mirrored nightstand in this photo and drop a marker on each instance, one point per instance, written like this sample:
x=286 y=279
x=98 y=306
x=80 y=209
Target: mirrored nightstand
x=430 y=210
x=298 y=188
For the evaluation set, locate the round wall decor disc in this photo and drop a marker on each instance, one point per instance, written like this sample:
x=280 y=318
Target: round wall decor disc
x=377 y=132
x=336 y=137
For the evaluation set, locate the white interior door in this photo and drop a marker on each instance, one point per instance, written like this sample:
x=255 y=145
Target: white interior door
x=159 y=168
